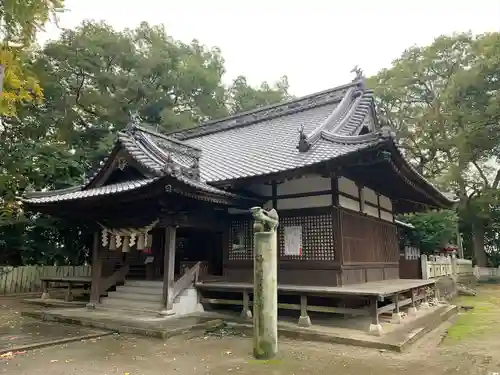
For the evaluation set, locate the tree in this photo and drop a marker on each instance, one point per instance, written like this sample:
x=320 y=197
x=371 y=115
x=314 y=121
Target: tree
x=19 y=22
x=92 y=78
x=443 y=101
x=433 y=230
x=243 y=97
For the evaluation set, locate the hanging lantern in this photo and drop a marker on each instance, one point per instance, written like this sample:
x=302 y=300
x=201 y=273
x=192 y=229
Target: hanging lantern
x=126 y=245
x=112 y=242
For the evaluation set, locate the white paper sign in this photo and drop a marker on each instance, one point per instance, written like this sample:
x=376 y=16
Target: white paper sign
x=293 y=240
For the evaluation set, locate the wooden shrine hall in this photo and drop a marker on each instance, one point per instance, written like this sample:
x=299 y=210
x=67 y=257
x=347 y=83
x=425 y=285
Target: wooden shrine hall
x=172 y=218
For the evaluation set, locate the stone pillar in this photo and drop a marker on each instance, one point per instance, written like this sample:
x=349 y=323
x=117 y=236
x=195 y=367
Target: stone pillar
x=304 y=319
x=265 y=297
x=95 y=290
x=168 y=271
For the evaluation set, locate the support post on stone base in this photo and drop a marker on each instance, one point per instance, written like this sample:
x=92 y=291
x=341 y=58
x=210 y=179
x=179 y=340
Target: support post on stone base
x=304 y=320
x=396 y=314
x=437 y=295
x=265 y=296
x=375 y=328
x=246 y=313
x=168 y=272
x=45 y=290
x=425 y=301
x=95 y=288
x=412 y=311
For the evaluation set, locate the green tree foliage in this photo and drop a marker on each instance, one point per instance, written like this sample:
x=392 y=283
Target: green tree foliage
x=243 y=97
x=443 y=100
x=19 y=22
x=433 y=230
x=92 y=78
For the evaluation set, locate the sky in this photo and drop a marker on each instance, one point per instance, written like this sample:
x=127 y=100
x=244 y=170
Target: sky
x=316 y=43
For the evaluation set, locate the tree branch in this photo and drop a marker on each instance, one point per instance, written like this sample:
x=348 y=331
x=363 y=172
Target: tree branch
x=496 y=181
x=481 y=173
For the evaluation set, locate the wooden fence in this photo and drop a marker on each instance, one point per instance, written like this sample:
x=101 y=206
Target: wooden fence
x=438 y=266
x=26 y=279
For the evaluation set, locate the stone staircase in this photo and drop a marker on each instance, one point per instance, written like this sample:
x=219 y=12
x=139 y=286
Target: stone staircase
x=146 y=296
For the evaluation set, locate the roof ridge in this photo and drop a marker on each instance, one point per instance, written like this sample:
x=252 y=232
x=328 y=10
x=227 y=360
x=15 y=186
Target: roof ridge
x=164 y=136
x=267 y=112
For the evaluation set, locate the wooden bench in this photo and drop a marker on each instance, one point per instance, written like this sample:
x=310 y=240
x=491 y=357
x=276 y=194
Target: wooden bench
x=70 y=281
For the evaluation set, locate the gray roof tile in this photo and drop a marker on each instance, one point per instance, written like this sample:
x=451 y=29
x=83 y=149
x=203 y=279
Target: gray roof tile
x=266 y=147
x=64 y=195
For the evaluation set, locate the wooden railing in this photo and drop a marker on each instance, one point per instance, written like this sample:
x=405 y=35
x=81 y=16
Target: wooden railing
x=115 y=278
x=188 y=279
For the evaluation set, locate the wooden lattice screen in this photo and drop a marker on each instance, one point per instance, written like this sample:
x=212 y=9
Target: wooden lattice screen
x=245 y=228
x=317 y=236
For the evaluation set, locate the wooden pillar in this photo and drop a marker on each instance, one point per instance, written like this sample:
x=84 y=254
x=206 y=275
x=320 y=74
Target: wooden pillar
x=337 y=223
x=95 y=292
x=396 y=314
x=375 y=328
x=412 y=311
x=246 y=313
x=168 y=270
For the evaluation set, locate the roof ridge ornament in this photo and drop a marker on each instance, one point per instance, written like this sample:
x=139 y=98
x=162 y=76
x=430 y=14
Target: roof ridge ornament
x=303 y=145
x=359 y=77
x=133 y=121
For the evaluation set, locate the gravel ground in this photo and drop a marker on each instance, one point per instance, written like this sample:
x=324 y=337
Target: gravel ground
x=131 y=355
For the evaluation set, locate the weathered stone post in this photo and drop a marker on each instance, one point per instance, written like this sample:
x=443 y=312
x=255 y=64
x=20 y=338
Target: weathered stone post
x=265 y=296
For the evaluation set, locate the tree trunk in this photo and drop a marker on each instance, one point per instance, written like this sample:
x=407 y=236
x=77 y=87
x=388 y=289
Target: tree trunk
x=478 y=243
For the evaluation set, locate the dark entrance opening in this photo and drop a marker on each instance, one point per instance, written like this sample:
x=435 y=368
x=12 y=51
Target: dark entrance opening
x=199 y=245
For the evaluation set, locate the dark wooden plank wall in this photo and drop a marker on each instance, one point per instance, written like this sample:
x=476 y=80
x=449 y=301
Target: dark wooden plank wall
x=368 y=240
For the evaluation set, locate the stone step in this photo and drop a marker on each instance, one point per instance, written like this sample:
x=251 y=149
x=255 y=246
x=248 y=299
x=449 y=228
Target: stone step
x=126 y=295
x=130 y=305
x=140 y=290
x=145 y=284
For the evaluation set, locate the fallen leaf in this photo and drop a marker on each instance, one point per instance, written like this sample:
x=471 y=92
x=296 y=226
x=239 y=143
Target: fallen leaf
x=54 y=360
x=7 y=355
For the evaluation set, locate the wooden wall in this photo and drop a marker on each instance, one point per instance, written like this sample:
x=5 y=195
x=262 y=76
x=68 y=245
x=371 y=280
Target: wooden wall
x=348 y=233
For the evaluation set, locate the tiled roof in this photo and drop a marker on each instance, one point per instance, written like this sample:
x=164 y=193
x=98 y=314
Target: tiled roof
x=268 y=146
x=266 y=140
x=273 y=139
x=78 y=193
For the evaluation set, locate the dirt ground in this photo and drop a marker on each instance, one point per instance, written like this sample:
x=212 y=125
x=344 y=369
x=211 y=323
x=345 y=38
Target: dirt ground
x=470 y=346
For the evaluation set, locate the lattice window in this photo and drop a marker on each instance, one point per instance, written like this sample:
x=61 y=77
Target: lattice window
x=241 y=240
x=317 y=237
